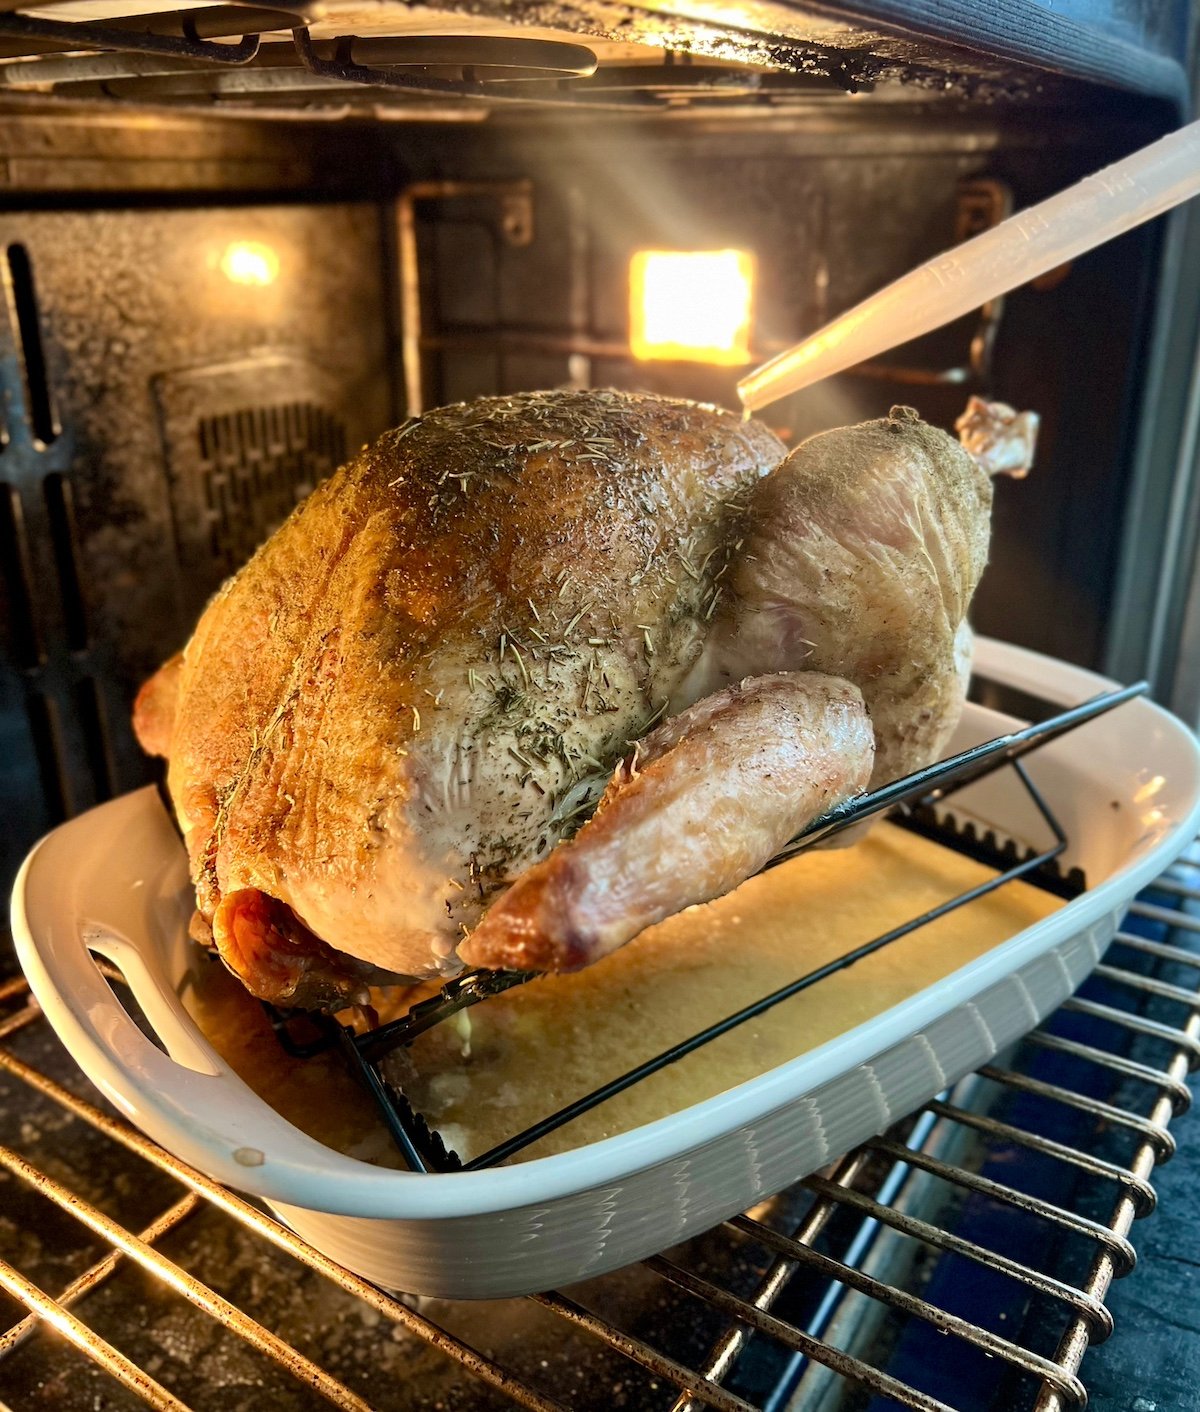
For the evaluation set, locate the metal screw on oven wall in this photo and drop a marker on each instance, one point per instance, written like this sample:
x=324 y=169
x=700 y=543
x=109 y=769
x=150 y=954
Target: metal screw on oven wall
x=516 y=218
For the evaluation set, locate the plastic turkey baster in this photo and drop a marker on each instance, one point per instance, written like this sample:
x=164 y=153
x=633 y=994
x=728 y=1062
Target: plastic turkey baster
x=1019 y=249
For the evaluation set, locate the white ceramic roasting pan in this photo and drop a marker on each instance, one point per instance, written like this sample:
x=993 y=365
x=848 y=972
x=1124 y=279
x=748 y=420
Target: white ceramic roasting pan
x=1126 y=787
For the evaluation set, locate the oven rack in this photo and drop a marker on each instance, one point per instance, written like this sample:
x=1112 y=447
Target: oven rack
x=241 y=51
x=1031 y=1173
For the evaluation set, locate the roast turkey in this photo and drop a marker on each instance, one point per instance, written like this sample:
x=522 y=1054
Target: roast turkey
x=533 y=672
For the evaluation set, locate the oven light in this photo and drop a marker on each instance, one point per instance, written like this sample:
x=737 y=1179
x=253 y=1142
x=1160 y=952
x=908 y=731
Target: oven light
x=249 y=262
x=691 y=305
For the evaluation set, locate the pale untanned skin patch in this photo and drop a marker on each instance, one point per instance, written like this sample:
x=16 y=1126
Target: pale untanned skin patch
x=420 y=685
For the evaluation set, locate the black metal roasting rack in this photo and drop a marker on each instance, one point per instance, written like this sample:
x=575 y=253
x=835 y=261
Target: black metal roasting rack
x=913 y=801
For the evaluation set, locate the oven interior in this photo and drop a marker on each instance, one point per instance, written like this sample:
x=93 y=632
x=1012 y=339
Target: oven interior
x=222 y=277
x=165 y=407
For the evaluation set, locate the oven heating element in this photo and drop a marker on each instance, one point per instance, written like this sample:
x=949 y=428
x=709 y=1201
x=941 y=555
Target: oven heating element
x=239 y=53
x=850 y=1285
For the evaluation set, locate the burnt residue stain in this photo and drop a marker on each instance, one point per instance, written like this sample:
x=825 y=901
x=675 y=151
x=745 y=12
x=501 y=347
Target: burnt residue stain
x=868 y=57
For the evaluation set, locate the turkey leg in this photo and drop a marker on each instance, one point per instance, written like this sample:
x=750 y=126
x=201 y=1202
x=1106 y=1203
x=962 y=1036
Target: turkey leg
x=699 y=806
x=861 y=552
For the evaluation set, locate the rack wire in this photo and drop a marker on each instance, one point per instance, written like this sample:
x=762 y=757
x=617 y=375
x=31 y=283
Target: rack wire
x=1031 y=1173
x=159 y=53
x=185 y=53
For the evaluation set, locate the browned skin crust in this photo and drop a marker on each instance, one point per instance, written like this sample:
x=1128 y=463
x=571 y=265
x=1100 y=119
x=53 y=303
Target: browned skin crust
x=154 y=708
x=702 y=803
x=395 y=707
x=263 y=938
x=424 y=681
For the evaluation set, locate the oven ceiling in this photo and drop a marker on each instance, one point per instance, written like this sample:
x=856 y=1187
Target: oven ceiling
x=480 y=58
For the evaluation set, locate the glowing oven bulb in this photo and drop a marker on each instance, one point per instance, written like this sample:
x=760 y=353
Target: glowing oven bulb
x=249 y=262
x=691 y=305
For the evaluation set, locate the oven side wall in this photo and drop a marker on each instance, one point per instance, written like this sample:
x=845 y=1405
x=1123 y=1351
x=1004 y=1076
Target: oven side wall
x=174 y=380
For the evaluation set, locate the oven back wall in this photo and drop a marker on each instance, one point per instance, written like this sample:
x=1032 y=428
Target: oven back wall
x=173 y=382
x=832 y=207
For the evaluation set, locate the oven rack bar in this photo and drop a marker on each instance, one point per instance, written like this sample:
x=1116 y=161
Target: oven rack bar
x=241 y=53
x=883 y=1189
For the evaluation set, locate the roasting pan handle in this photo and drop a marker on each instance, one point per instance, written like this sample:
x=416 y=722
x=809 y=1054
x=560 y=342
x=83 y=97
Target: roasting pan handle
x=189 y=1087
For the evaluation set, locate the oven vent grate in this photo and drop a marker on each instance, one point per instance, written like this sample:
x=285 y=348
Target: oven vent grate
x=256 y=465
x=237 y=469
x=1029 y=1175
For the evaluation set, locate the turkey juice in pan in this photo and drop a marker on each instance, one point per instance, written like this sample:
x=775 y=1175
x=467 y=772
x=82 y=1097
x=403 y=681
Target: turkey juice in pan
x=534 y=673
x=505 y=1064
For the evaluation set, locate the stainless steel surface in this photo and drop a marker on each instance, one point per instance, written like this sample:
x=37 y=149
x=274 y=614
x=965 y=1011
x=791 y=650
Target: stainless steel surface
x=775 y=1287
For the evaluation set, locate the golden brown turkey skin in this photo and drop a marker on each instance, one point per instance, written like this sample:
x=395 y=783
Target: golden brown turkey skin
x=261 y=938
x=424 y=679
